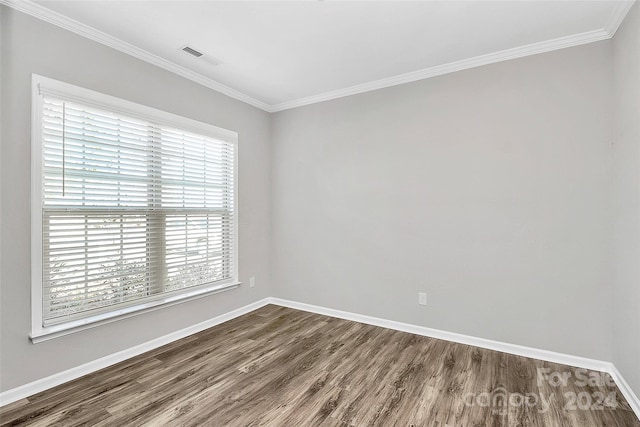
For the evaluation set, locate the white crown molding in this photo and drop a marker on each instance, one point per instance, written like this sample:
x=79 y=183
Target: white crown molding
x=617 y=16
x=40 y=385
x=465 y=64
x=55 y=18
x=45 y=14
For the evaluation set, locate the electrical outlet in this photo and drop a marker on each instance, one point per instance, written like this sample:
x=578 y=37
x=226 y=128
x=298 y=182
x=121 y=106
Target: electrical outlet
x=252 y=282
x=422 y=298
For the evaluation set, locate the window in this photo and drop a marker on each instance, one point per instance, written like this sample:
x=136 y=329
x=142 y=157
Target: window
x=132 y=208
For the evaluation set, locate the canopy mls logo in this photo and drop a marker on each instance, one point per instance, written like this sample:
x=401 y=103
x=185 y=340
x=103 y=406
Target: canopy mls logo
x=550 y=394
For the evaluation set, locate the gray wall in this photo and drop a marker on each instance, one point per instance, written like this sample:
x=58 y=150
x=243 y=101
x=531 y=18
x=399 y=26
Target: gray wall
x=487 y=188
x=626 y=202
x=32 y=46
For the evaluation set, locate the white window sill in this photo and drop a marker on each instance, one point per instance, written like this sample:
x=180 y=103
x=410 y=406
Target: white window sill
x=54 y=331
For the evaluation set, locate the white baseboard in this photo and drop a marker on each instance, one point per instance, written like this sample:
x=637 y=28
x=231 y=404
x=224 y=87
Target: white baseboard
x=37 y=386
x=549 y=356
x=626 y=390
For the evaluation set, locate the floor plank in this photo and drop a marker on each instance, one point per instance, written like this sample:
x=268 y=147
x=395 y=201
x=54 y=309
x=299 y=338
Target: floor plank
x=282 y=367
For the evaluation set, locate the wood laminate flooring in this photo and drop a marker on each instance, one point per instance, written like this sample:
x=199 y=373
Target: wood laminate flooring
x=282 y=367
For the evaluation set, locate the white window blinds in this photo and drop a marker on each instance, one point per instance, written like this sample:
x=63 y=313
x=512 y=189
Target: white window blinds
x=132 y=210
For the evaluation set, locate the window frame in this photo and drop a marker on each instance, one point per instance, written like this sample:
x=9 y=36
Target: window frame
x=41 y=84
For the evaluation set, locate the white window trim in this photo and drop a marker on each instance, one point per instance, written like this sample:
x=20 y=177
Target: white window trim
x=39 y=332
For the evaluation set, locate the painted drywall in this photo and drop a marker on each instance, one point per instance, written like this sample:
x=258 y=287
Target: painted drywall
x=626 y=199
x=488 y=189
x=33 y=46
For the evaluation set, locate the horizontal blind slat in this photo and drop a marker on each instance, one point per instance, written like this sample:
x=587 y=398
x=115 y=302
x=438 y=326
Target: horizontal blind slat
x=130 y=209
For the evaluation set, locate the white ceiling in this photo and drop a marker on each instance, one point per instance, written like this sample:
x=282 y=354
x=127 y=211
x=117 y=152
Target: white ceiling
x=278 y=55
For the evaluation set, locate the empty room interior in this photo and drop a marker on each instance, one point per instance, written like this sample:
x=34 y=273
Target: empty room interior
x=320 y=213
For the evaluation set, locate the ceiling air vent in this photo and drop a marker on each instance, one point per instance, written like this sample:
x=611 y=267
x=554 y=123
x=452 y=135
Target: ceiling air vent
x=192 y=51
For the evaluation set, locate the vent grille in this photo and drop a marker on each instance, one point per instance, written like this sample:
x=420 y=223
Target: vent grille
x=192 y=51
